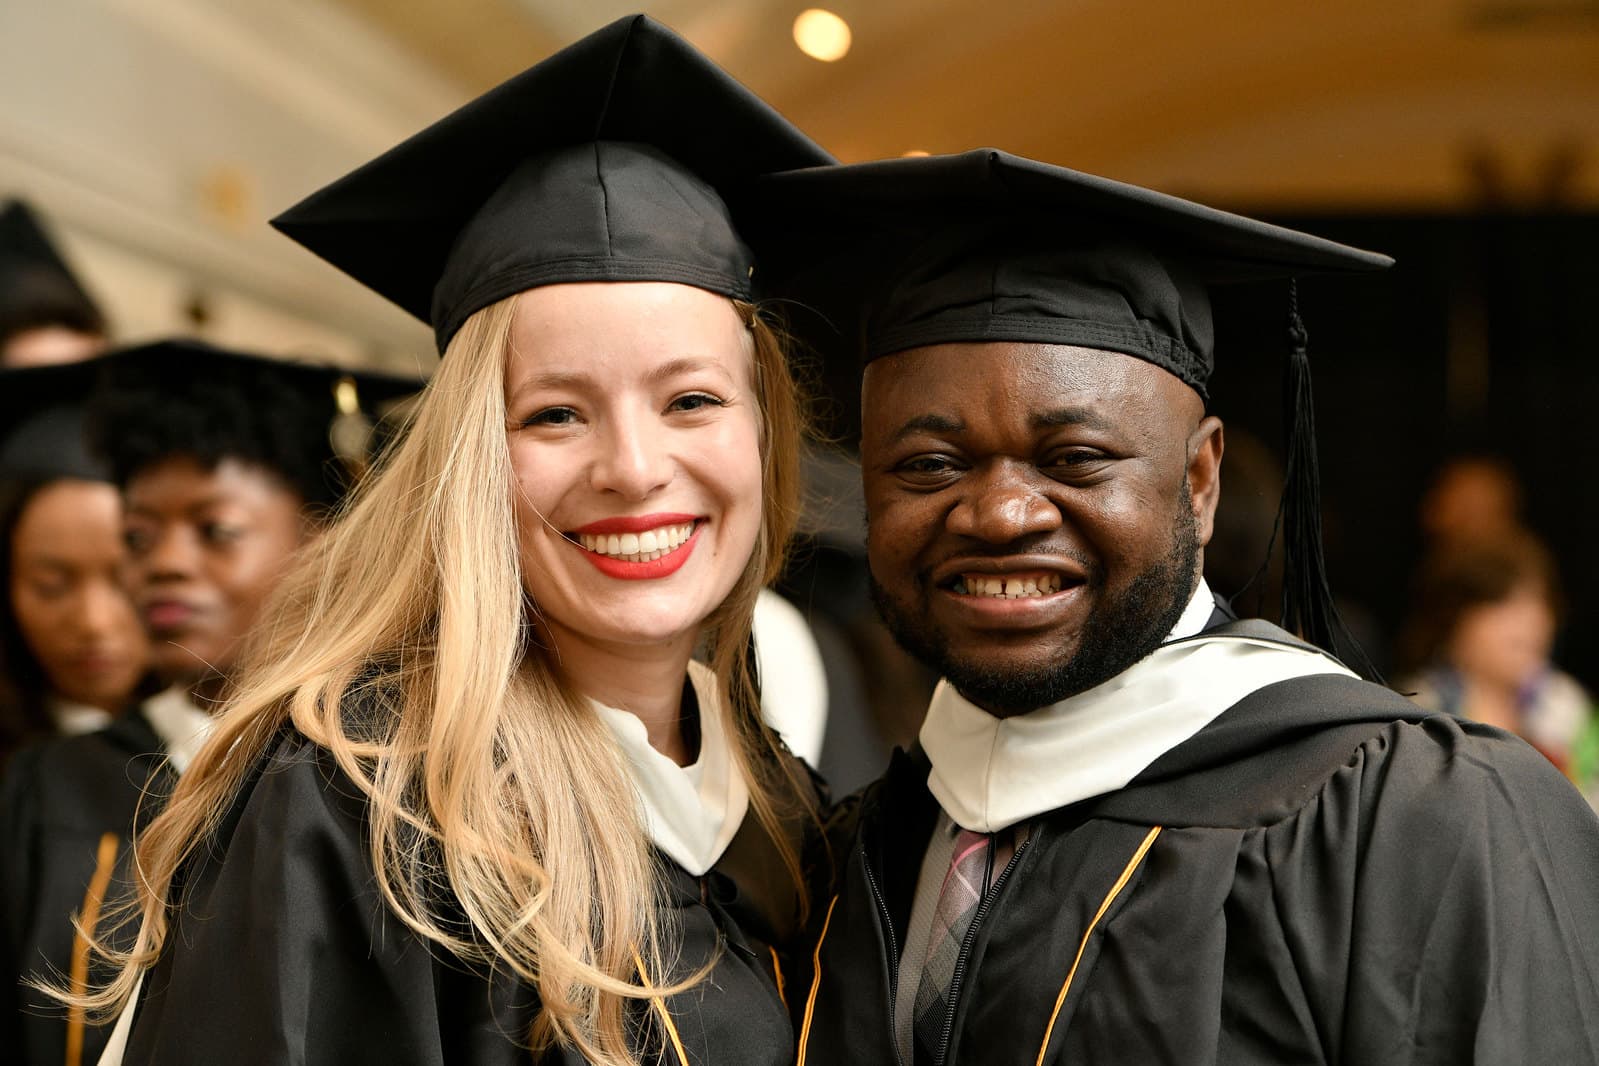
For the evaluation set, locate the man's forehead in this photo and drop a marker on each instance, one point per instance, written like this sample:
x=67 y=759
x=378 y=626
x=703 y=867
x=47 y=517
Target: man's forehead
x=1047 y=372
x=952 y=389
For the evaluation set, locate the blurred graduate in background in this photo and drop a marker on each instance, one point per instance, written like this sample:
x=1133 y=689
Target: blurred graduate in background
x=227 y=463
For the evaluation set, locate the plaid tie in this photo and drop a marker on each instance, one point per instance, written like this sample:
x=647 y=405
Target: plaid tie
x=962 y=891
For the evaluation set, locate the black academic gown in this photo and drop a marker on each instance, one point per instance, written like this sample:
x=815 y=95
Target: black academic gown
x=1324 y=874
x=67 y=812
x=284 y=951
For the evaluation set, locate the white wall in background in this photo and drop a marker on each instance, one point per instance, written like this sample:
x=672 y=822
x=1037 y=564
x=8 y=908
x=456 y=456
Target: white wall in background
x=158 y=136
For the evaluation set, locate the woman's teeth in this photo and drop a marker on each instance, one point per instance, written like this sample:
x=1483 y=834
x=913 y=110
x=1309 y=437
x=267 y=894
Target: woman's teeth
x=1009 y=588
x=638 y=547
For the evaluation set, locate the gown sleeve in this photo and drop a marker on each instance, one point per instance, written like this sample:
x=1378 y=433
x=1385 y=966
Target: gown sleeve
x=17 y=819
x=1471 y=931
x=283 y=951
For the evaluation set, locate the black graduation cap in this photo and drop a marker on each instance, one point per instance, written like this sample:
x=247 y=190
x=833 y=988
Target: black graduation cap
x=314 y=420
x=42 y=423
x=608 y=161
x=988 y=246
x=37 y=287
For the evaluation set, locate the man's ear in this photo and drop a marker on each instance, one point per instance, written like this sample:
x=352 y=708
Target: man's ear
x=1205 y=446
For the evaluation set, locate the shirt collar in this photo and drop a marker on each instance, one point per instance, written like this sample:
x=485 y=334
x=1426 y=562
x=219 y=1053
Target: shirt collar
x=181 y=724
x=690 y=812
x=72 y=719
x=989 y=773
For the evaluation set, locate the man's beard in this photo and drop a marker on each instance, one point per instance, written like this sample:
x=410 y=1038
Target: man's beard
x=1120 y=631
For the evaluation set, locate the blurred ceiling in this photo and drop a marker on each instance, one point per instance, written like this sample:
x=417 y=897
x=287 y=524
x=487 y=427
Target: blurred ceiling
x=1394 y=103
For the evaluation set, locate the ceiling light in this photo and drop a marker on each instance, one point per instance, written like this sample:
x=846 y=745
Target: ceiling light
x=821 y=34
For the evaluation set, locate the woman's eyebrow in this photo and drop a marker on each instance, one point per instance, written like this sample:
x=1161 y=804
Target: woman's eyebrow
x=687 y=364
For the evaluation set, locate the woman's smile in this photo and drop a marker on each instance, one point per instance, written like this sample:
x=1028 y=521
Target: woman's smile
x=641 y=547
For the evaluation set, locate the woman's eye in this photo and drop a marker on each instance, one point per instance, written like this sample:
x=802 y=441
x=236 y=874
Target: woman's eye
x=135 y=540
x=218 y=533
x=551 y=416
x=51 y=589
x=695 y=401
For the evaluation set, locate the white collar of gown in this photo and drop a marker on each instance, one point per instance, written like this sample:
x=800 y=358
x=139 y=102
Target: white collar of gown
x=990 y=773
x=73 y=719
x=182 y=725
x=690 y=812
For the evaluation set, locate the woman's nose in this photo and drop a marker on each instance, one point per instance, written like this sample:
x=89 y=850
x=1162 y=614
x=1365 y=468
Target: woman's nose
x=635 y=458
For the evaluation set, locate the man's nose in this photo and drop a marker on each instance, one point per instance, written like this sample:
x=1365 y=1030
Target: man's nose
x=1001 y=504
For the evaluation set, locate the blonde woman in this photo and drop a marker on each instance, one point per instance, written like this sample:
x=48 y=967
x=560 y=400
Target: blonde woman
x=475 y=800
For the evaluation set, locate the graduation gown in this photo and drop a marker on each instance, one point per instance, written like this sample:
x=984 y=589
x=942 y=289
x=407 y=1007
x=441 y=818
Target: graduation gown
x=1325 y=873
x=67 y=812
x=283 y=951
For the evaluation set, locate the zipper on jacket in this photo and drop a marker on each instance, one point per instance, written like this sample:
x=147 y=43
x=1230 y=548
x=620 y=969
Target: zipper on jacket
x=893 y=950
x=966 y=949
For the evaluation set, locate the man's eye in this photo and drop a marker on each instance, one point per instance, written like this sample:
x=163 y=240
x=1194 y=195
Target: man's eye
x=551 y=416
x=1077 y=458
x=927 y=465
x=695 y=401
x=135 y=540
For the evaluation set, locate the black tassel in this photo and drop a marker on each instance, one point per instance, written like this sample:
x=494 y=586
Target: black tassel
x=1307 y=608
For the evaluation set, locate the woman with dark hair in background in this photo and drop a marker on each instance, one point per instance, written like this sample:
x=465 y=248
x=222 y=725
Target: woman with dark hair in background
x=72 y=653
x=1479 y=640
x=226 y=468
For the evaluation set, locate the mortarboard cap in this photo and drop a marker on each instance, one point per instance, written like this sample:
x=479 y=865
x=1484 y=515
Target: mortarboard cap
x=42 y=423
x=608 y=161
x=37 y=288
x=988 y=246
x=311 y=423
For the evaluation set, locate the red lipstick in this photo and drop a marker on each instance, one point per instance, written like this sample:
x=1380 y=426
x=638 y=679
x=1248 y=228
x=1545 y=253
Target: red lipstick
x=666 y=565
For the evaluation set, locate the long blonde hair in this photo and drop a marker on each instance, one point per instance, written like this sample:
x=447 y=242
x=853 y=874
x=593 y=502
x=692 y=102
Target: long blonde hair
x=402 y=644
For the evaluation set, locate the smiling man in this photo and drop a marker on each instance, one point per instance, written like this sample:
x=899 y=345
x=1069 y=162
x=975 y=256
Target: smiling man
x=1137 y=830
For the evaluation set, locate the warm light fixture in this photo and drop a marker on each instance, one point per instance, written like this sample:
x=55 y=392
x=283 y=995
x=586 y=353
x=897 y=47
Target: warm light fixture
x=821 y=34
x=916 y=152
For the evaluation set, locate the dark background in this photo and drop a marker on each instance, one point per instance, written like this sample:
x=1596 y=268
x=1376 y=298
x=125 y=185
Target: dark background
x=1476 y=341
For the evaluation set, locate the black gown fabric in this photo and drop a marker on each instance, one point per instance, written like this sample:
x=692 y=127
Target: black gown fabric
x=67 y=812
x=284 y=952
x=1324 y=874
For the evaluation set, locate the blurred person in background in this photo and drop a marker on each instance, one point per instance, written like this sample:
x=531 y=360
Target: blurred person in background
x=46 y=316
x=72 y=651
x=1471 y=497
x=1478 y=644
x=226 y=467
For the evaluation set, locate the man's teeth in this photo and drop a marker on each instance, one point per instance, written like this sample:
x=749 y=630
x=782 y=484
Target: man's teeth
x=638 y=547
x=1009 y=588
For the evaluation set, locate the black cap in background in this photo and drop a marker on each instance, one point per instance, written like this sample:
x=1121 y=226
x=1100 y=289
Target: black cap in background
x=311 y=424
x=42 y=423
x=37 y=287
x=608 y=161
